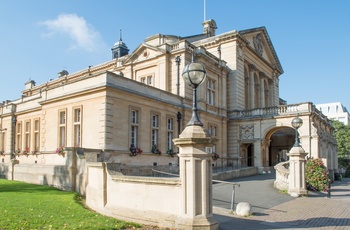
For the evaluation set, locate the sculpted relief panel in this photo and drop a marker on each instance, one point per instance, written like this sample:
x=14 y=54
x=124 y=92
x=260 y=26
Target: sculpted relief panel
x=247 y=132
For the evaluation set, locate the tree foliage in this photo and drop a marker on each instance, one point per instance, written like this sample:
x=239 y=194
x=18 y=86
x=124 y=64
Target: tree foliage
x=342 y=135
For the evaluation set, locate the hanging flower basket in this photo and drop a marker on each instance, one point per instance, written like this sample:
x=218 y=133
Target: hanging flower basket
x=2 y=153
x=25 y=152
x=155 y=150
x=215 y=156
x=170 y=152
x=60 y=151
x=18 y=152
x=134 y=151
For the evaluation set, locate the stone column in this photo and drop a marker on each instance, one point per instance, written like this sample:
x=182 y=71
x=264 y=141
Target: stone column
x=251 y=87
x=196 y=179
x=262 y=90
x=296 y=179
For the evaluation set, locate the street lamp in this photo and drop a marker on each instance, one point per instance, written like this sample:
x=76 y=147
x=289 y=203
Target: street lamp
x=194 y=74
x=297 y=123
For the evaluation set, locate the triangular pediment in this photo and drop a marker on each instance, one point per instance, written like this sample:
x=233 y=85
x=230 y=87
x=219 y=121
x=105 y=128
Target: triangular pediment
x=144 y=52
x=259 y=41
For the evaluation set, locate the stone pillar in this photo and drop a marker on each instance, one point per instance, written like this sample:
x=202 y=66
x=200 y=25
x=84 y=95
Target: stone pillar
x=251 y=87
x=262 y=91
x=196 y=179
x=296 y=179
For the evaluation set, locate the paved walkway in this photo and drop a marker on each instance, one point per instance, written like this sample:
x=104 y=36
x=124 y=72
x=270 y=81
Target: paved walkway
x=273 y=210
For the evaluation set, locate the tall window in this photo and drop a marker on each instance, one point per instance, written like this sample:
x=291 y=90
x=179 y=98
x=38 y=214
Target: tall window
x=211 y=92
x=62 y=128
x=27 y=135
x=170 y=130
x=2 y=141
x=77 y=127
x=212 y=131
x=19 y=136
x=36 y=135
x=134 y=127
x=155 y=127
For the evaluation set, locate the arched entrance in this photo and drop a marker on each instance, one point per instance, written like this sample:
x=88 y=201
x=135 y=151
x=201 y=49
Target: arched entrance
x=280 y=141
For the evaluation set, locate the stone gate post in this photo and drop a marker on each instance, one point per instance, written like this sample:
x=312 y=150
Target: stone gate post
x=196 y=179
x=296 y=179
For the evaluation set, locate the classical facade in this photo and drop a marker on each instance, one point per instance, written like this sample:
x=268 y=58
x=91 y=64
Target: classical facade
x=139 y=99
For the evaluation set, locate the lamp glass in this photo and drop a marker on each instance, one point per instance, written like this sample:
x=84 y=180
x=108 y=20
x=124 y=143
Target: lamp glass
x=297 y=122
x=194 y=74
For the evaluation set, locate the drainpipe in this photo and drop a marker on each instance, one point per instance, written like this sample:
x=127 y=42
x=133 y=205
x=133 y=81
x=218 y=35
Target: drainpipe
x=179 y=117
x=177 y=60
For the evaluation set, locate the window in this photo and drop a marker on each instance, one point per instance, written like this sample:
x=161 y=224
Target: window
x=143 y=80
x=212 y=130
x=62 y=128
x=150 y=80
x=155 y=127
x=77 y=127
x=27 y=135
x=2 y=141
x=211 y=92
x=19 y=136
x=36 y=135
x=170 y=130
x=134 y=126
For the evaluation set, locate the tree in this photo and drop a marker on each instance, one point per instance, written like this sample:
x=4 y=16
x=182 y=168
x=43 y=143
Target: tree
x=342 y=135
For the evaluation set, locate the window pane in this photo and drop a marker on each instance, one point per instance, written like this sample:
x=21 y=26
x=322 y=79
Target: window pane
x=62 y=136
x=134 y=135
x=77 y=115
x=62 y=118
x=170 y=140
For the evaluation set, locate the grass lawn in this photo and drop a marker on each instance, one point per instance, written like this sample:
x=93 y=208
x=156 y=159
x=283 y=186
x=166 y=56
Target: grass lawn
x=28 y=206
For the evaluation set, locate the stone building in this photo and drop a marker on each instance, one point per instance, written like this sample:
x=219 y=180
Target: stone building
x=139 y=99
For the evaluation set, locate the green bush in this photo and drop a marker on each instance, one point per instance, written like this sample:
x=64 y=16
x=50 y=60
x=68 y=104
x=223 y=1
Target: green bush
x=316 y=175
x=347 y=172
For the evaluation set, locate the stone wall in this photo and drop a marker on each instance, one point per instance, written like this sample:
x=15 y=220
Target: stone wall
x=66 y=172
x=147 y=200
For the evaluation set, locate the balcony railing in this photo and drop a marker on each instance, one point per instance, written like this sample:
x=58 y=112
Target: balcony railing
x=280 y=110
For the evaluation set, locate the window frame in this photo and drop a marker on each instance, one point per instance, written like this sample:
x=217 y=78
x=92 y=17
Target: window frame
x=134 y=126
x=170 y=133
x=155 y=127
x=27 y=134
x=77 y=137
x=36 y=134
x=211 y=91
x=62 y=137
x=19 y=135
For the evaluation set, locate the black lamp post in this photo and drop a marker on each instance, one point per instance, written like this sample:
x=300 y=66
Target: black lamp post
x=297 y=123
x=194 y=74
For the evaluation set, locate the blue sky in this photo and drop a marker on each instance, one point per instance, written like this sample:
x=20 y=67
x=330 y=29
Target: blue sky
x=41 y=38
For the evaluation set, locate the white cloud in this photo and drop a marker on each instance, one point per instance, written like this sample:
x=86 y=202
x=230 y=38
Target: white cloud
x=83 y=35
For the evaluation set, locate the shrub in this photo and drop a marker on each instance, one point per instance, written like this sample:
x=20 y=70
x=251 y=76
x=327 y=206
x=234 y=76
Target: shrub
x=347 y=172
x=316 y=175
